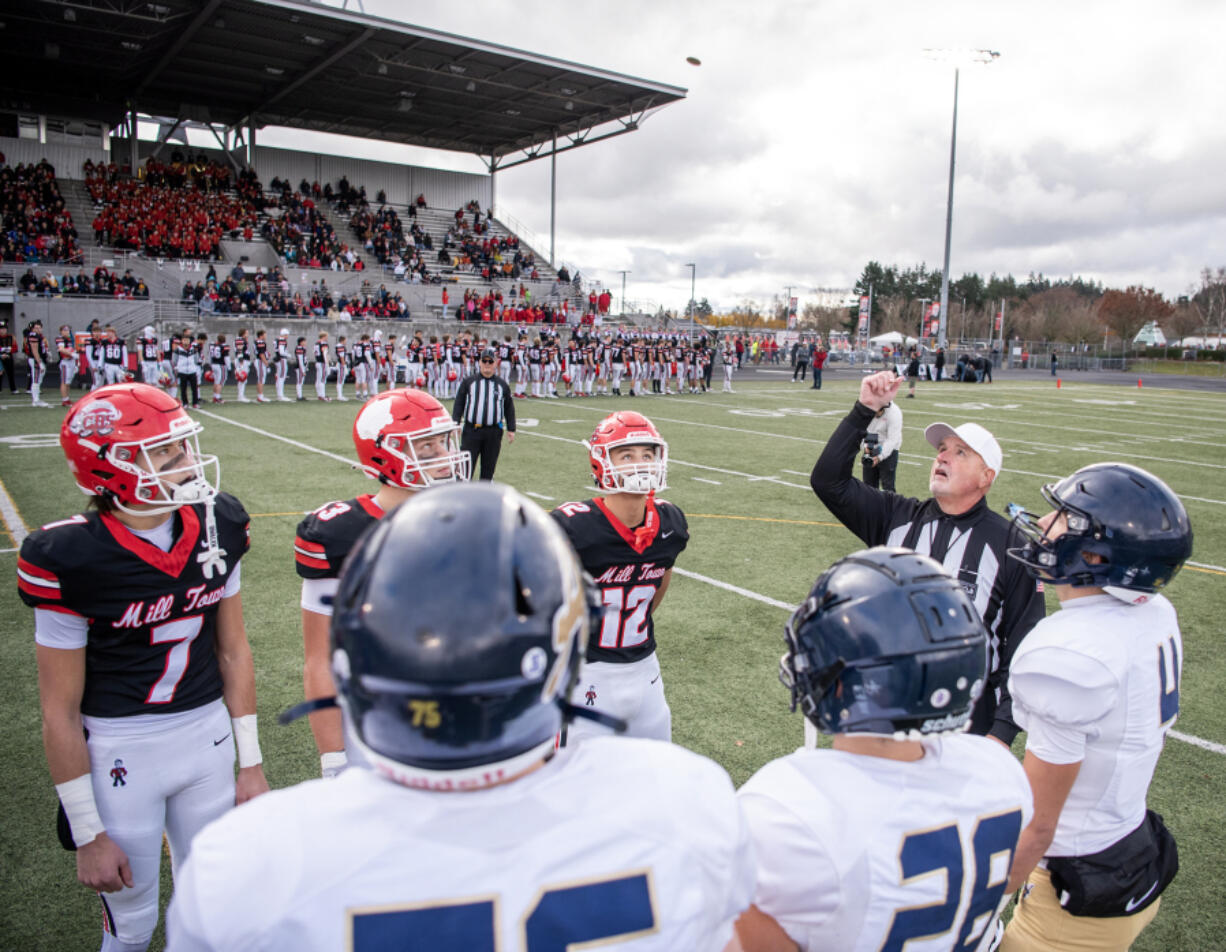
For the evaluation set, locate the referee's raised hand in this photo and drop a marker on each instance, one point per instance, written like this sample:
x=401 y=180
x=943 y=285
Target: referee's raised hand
x=879 y=389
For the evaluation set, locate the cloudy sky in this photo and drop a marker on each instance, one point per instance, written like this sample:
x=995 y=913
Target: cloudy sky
x=815 y=137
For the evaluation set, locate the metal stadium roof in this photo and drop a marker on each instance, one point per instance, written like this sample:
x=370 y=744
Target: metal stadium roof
x=307 y=66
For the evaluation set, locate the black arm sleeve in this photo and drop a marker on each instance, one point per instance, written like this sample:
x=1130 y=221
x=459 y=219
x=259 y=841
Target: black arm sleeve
x=461 y=400
x=862 y=509
x=1023 y=607
x=508 y=407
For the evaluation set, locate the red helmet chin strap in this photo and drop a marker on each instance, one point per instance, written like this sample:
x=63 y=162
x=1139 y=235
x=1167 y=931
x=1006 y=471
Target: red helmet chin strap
x=645 y=534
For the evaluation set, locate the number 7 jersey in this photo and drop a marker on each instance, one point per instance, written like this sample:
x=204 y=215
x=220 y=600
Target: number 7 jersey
x=152 y=615
x=865 y=854
x=628 y=566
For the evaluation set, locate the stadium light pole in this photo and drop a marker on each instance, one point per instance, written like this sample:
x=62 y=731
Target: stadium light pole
x=623 y=274
x=959 y=58
x=693 y=274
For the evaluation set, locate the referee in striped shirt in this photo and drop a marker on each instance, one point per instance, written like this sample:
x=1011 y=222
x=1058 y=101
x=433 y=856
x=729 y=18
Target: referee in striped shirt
x=484 y=405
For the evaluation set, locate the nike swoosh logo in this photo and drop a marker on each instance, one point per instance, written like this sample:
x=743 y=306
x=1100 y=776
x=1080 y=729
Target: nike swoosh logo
x=665 y=535
x=222 y=741
x=657 y=678
x=1133 y=903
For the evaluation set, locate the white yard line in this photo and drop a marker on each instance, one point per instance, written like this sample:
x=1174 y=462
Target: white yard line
x=735 y=589
x=283 y=439
x=712 y=482
x=802 y=439
x=1199 y=742
x=13 y=523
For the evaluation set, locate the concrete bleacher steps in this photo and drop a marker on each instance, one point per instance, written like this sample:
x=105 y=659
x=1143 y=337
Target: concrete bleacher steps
x=165 y=278
x=436 y=222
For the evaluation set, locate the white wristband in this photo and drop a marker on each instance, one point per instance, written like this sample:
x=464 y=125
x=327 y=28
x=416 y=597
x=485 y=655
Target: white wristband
x=247 y=739
x=332 y=763
x=77 y=797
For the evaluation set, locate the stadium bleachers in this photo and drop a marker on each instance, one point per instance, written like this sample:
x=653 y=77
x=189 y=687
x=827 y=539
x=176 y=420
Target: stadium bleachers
x=180 y=209
x=233 y=209
x=37 y=225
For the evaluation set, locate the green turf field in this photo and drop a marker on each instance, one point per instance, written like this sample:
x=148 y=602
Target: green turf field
x=739 y=469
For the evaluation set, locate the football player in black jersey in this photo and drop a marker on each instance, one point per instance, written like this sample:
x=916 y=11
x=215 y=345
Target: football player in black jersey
x=406 y=440
x=628 y=541
x=36 y=360
x=65 y=346
x=145 y=674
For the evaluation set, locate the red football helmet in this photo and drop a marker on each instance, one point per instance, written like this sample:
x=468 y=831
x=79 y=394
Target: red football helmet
x=451 y=376
x=627 y=428
x=107 y=437
x=240 y=376
x=165 y=379
x=420 y=381
x=389 y=430
x=208 y=376
x=566 y=378
x=129 y=376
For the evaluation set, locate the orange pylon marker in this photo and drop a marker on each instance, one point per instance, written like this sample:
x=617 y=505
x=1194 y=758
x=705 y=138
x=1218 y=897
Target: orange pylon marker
x=1057 y=383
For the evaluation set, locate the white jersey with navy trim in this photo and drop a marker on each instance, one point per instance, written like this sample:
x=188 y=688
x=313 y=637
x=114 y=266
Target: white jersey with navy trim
x=860 y=853
x=1097 y=683
x=362 y=863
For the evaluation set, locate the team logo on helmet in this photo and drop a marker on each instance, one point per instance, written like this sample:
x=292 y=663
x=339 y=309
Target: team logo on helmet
x=374 y=417
x=99 y=418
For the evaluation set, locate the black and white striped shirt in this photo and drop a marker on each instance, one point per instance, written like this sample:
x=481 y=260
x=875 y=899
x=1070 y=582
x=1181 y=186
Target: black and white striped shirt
x=971 y=546
x=484 y=401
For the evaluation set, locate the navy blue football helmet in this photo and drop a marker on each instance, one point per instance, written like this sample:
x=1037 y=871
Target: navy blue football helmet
x=1127 y=516
x=457 y=632
x=886 y=643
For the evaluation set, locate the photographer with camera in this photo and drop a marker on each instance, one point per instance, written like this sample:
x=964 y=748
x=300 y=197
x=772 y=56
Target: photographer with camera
x=879 y=451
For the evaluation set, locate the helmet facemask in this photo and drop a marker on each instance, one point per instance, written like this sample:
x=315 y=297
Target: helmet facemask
x=638 y=477
x=184 y=483
x=418 y=472
x=1058 y=559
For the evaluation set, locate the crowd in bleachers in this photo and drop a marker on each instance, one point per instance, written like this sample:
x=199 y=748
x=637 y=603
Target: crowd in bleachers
x=177 y=209
x=37 y=226
x=382 y=234
x=491 y=306
x=269 y=292
x=102 y=283
x=182 y=208
x=302 y=234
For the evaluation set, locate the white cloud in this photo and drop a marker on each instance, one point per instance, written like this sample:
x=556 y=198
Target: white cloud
x=816 y=136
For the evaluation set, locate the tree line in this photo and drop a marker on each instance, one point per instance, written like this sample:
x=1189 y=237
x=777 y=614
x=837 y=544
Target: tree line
x=1070 y=310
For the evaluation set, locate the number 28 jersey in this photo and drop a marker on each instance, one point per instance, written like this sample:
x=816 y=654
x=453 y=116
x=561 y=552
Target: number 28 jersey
x=628 y=566
x=866 y=854
x=152 y=614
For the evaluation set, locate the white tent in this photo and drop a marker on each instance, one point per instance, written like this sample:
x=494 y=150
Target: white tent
x=893 y=338
x=1150 y=334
